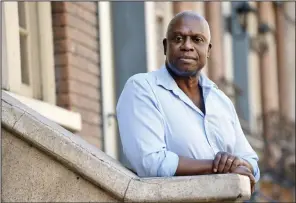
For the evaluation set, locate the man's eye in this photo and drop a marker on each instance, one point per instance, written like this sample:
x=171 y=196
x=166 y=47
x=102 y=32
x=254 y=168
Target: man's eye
x=198 y=39
x=178 y=38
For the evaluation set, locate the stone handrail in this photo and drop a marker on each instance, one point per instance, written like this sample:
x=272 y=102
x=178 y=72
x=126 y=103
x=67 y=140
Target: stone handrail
x=108 y=174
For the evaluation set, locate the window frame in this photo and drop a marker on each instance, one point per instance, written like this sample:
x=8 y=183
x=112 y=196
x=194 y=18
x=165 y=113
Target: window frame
x=11 y=65
x=43 y=64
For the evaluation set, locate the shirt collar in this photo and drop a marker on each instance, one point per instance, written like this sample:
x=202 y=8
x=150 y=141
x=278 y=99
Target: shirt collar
x=165 y=79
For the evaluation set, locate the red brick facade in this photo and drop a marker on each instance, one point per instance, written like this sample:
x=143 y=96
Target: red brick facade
x=77 y=64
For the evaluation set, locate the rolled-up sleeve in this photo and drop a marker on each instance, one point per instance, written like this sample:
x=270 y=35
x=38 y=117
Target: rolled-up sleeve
x=244 y=150
x=141 y=128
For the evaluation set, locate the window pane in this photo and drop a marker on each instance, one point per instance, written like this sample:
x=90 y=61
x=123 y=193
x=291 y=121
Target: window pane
x=24 y=59
x=22 y=14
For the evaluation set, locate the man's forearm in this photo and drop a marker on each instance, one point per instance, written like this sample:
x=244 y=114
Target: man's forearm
x=188 y=166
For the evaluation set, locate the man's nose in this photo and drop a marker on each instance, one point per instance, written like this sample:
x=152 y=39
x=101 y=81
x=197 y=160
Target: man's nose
x=187 y=45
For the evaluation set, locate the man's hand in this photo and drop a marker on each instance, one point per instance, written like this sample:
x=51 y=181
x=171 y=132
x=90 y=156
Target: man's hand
x=225 y=162
x=243 y=170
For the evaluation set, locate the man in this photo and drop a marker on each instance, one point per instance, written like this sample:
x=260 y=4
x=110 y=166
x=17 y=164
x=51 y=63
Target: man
x=175 y=121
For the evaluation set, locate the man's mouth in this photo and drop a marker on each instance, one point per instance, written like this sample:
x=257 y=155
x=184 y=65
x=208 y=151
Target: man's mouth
x=187 y=59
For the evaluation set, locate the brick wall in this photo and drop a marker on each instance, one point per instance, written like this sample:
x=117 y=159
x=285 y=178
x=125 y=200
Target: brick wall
x=76 y=47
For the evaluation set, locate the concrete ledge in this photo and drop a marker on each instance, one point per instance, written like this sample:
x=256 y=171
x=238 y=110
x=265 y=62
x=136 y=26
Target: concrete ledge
x=68 y=119
x=189 y=189
x=107 y=173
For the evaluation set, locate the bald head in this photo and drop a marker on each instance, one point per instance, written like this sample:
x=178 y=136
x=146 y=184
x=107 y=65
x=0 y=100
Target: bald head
x=190 y=15
x=187 y=44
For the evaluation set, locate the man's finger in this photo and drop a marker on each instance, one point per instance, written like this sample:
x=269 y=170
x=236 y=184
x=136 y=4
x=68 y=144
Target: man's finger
x=252 y=181
x=235 y=164
x=216 y=162
x=222 y=162
x=252 y=178
x=247 y=172
x=228 y=164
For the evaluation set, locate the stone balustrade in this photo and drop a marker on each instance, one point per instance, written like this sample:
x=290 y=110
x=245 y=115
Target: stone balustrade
x=41 y=161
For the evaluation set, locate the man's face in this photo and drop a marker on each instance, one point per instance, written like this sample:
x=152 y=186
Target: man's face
x=187 y=45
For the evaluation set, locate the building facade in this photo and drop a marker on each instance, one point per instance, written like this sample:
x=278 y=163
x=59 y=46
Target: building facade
x=70 y=60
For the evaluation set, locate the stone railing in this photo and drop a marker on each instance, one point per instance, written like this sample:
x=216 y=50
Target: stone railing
x=41 y=161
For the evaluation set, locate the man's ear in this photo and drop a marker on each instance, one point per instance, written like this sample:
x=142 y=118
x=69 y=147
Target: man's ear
x=209 y=49
x=164 y=42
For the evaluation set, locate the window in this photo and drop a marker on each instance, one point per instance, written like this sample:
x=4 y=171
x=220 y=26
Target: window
x=28 y=60
x=29 y=42
x=29 y=65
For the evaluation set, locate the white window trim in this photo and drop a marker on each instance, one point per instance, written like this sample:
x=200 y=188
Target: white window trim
x=11 y=37
x=47 y=53
x=151 y=39
x=12 y=68
x=68 y=119
x=28 y=89
x=4 y=79
x=108 y=83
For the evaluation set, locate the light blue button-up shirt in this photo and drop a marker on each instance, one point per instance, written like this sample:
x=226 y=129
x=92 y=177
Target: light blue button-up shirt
x=158 y=121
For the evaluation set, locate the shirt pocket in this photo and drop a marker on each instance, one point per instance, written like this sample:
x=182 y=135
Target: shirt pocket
x=224 y=133
x=228 y=131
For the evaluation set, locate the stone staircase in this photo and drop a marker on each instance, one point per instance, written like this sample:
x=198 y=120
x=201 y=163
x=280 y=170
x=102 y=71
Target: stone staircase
x=43 y=162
